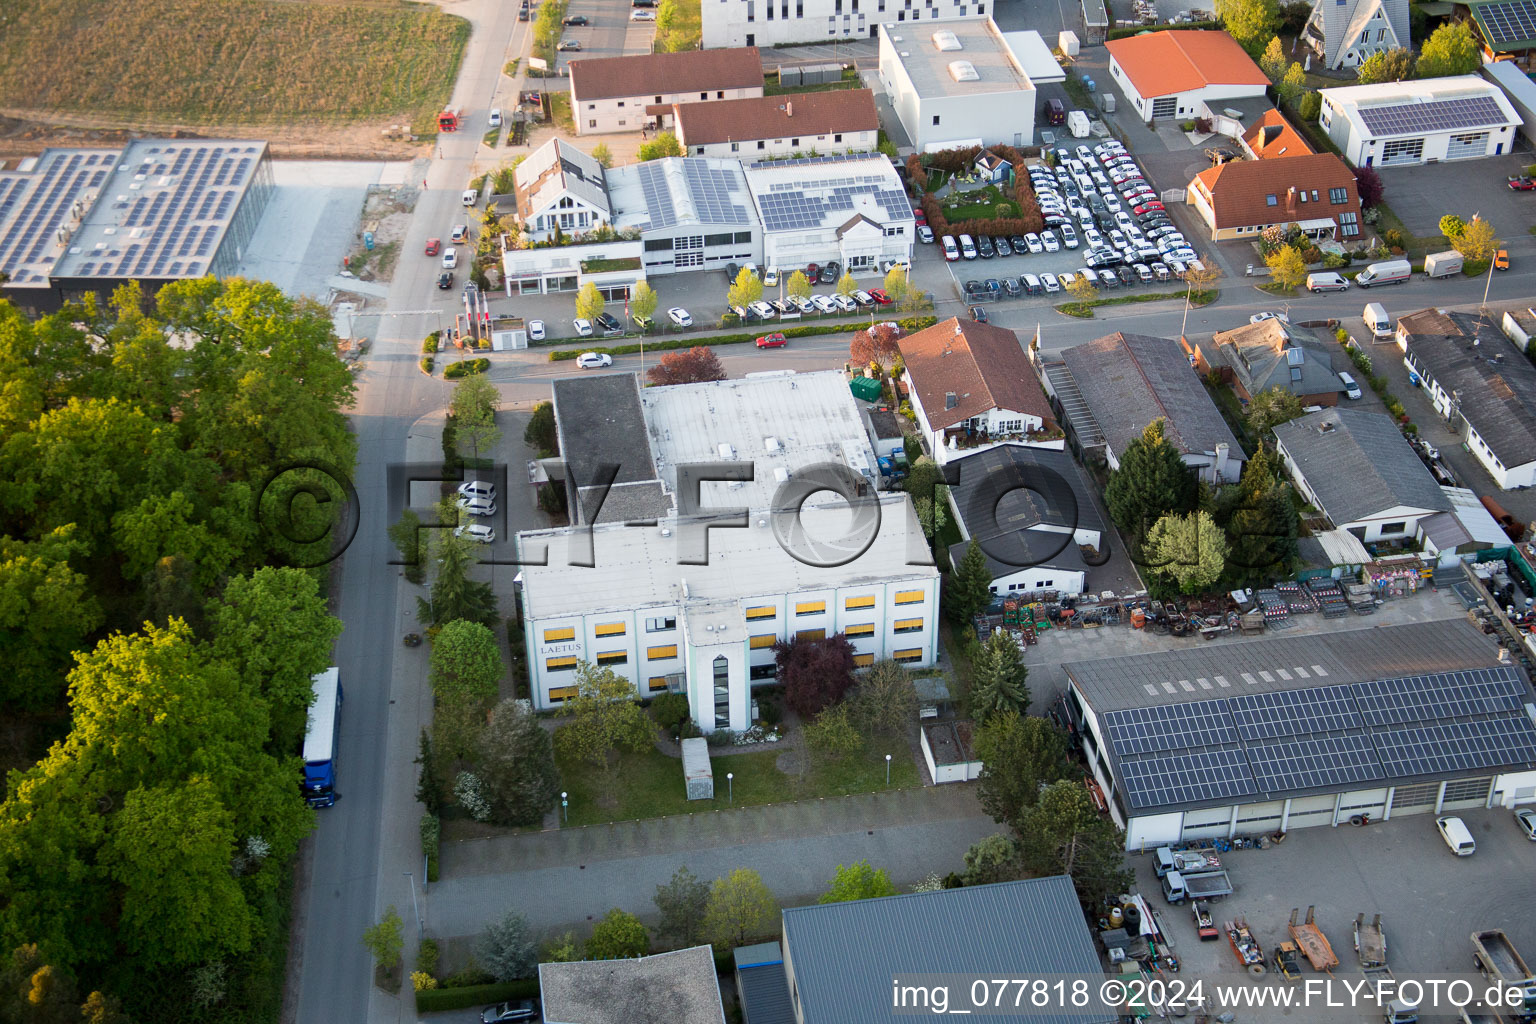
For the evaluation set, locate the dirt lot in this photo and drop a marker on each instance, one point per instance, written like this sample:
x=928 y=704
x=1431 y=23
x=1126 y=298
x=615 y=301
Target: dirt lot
x=387 y=213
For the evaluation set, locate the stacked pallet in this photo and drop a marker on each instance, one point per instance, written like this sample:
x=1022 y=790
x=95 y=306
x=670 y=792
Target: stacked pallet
x=1330 y=598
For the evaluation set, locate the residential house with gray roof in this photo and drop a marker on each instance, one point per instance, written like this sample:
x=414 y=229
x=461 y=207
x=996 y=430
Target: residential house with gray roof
x=1112 y=389
x=1273 y=354
x=1360 y=471
x=840 y=957
x=560 y=187
x=1343 y=33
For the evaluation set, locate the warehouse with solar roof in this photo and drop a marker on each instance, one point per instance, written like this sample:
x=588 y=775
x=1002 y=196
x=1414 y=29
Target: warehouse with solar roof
x=1425 y=121
x=1288 y=732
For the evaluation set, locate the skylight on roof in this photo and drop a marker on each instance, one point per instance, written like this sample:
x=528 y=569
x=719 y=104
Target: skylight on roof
x=946 y=40
x=963 y=71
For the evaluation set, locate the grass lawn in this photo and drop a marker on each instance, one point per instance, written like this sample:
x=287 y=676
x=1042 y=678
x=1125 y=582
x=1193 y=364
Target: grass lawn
x=560 y=111
x=683 y=31
x=978 y=204
x=650 y=785
x=1276 y=288
x=230 y=61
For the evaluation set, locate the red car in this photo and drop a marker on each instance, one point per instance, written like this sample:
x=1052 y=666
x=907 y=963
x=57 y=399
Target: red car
x=774 y=340
x=878 y=294
x=1146 y=208
x=433 y=245
x=1523 y=184
x=812 y=272
x=919 y=215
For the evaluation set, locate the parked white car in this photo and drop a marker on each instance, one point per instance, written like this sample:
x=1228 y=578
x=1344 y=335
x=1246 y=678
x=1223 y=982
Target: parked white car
x=680 y=316
x=477 y=532
x=594 y=360
x=583 y=328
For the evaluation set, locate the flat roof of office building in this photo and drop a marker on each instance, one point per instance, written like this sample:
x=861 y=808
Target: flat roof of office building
x=680 y=191
x=37 y=202
x=967 y=57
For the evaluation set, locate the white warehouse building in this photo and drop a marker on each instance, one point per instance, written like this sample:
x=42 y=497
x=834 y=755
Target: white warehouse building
x=774 y=22
x=850 y=209
x=672 y=606
x=965 y=83
x=1424 y=121
x=1285 y=732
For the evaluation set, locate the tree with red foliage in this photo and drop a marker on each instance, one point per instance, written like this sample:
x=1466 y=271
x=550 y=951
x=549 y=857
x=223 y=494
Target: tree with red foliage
x=815 y=673
x=693 y=366
x=1368 y=184
x=874 y=345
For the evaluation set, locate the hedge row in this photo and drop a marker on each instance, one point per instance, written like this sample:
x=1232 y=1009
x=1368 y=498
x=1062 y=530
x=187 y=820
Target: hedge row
x=432 y=999
x=908 y=325
x=465 y=367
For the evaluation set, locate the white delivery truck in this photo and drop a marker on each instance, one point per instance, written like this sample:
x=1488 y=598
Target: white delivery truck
x=1077 y=124
x=1385 y=272
x=1375 y=317
x=1443 y=264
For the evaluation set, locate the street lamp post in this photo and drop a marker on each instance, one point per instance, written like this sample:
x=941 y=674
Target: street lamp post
x=421 y=930
x=730 y=786
x=887 y=769
x=564 y=805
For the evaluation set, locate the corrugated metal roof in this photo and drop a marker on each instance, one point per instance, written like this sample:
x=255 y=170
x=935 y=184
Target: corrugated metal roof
x=1358 y=464
x=764 y=992
x=844 y=954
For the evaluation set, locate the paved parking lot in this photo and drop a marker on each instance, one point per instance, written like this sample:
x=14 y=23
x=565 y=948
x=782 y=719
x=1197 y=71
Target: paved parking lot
x=1430 y=900
x=1422 y=195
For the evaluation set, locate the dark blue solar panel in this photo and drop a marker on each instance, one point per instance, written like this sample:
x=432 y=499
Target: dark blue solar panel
x=1197 y=723
x=1442 y=695
x=1197 y=777
x=1261 y=716
x=1313 y=763
x=1502 y=741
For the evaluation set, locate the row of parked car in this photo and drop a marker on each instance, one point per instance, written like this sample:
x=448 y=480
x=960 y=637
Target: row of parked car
x=1124 y=275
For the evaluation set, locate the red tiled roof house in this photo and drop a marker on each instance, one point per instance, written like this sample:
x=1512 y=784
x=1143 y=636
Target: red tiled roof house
x=841 y=121
x=1182 y=73
x=624 y=94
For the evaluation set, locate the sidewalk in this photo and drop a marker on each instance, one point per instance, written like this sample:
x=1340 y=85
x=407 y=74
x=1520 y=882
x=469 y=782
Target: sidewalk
x=563 y=878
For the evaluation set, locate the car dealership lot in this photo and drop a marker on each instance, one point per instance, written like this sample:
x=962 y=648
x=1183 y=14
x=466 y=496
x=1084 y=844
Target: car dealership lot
x=1430 y=900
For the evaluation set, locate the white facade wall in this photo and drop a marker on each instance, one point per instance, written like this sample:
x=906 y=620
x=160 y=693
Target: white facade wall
x=627 y=114
x=673 y=250
x=746 y=22
x=949 y=122
x=569 y=213
x=1507 y=477
x=1039 y=577
x=1361 y=149
x=889 y=619
x=542 y=271
x=801 y=145
x=794 y=249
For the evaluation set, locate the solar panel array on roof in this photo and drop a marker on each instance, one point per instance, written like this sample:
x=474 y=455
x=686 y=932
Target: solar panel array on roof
x=1510 y=22
x=787 y=206
x=1432 y=116
x=1278 y=742
x=42 y=205
x=711 y=189
x=658 y=196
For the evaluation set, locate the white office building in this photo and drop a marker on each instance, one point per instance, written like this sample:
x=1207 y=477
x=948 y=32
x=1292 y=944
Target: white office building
x=671 y=606
x=850 y=209
x=771 y=22
x=964 y=83
x=1419 y=122
x=693 y=213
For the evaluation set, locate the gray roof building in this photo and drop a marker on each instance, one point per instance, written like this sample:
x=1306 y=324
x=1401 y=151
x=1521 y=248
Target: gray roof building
x=762 y=989
x=602 y=429
x=1356 y=465
x=1129 y=380
x=1269 y=354
x=841 y=956
x=668 y=988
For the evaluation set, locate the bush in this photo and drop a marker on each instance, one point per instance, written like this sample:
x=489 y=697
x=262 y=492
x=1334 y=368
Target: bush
x=427 y=956
x=426 y=364
x=465 y=367
x=1393 y=237
x=769 y=711
x=669 y=709
x=421 y=981
x=479 y=993
x=469 y=977
x=429 y=343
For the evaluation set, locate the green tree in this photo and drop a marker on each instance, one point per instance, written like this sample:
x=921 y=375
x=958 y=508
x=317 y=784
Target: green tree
x=993 y=859
x=884 y=700
x=274 y=627
x=1477 y=240
x=1251 y=22
x=663 y=144
x=589 y=302
x=1393 y=65
x=799 y=285
x=454 y=594
x=970 y=585
x=740 y=907
x=933 y=513
x=603 y=155
x=1261 y=524
x=1286 y=266
x=1186 y=553
x=1273 y=62
x=507 y=948
x=1292 y=85
x=832 y=734
x=1310 y=106
x=475 y=400
x=642 y=301
x=465 y=662
x=46 y=611
x=846 y=285
x=1062 y=833
x=385 y=940
x=924 y=479
x=1018 y=754
x=1270 y=408
x=604 y=718
x=897 y=284
x=618 y=936
x=540 y=434
x=405 y=534
x=517 y=765
x=998 y=678
x=857 y=881
x=745 y=290
x=1451 y=226
x=682 y=903
x=1152 y=481
x=1451 y=49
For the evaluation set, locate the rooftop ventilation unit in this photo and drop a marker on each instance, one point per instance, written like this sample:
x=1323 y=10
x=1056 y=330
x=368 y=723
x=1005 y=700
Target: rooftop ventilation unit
x=946 y=40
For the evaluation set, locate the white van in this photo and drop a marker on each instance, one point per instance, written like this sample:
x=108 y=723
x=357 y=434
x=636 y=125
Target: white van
x=951 y=251
x=470 y=195
x=967 y=247
x=1385 y=272
x=1456 y=835
x=1326 y=281
x=1351 y=389
x=1376 y=320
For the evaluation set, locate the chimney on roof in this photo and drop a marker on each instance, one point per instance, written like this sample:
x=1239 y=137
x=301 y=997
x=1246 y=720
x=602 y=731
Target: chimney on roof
x=949 y=400
x=789 y=108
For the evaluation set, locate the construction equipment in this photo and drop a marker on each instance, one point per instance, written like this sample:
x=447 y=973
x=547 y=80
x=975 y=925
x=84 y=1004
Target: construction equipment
x=1288 y=961
x=1245 y=946
x=448 y=120
x=1370 y=943
x=1205 y=924
x=1313 y=943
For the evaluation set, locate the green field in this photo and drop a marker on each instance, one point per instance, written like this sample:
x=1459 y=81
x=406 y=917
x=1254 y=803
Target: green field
x=246 y=62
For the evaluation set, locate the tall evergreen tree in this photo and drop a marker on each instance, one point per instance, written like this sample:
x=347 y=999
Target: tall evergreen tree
x=1152 y=482
x=998 y=678
x=970 y=585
